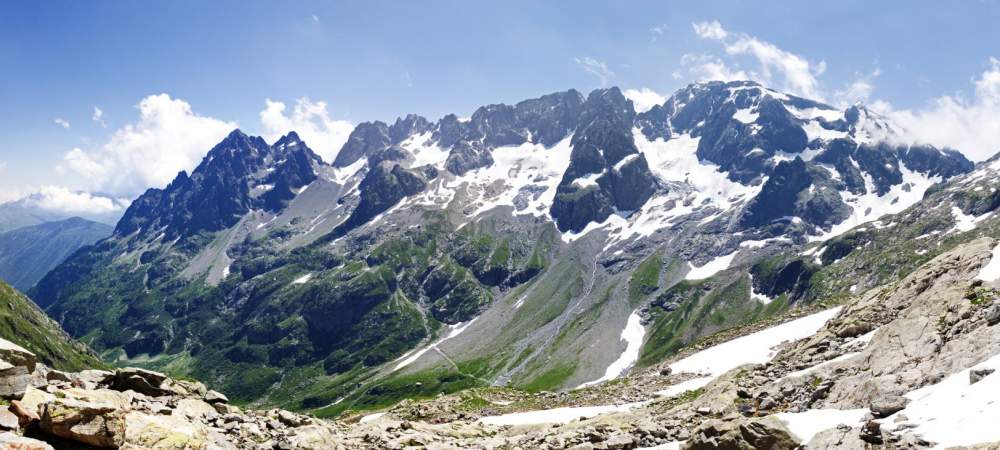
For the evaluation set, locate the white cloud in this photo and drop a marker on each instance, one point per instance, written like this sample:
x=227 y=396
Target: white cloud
x=60 y=199
x=596 y=68
x=860 y=90
x=98 y=117
x=796 y=74
x=168 y=137
x=644 y=99
x=61 y=122
x=311 y=121
x=315 y=18
x=701 y=67
x=971 y=126
x=710 y=30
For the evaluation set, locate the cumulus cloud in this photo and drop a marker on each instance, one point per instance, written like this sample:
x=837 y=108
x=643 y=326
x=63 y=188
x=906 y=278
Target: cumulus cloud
x=644 y=99
x=701 y=67
x=710 y=30
x=311 y=121
x=61 y=122
x=795 y=73
x=167 y=138
x=63 y=200
x=596 y=68
x=971 y=125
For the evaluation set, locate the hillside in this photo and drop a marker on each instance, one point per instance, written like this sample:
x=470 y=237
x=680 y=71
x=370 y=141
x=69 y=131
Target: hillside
x=22 y=323
x=28 y=253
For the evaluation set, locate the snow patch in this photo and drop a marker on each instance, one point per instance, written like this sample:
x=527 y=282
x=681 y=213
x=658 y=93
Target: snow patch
x=991 y=271
x=710 y=268
x=555 y=415
x=342 y=174
x=303 y=279
x=755 y=348
x=807 y=424
x=965 y=222
x=371 y=417
x=633 y=335
x=954 y=412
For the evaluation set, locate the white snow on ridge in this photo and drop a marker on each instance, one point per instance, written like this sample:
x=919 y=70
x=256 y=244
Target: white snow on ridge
x=755 y=348
x=342 y=174
x=871 y=206
x=710 y=268
x=676 y=160
x=519 y=167
x=303 y=279
x=991 y=271
x=633 y=335
x=424 y=151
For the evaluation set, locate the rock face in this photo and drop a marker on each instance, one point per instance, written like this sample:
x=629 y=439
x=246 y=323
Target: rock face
x=229 y=182
x=606 y=173
x=382 y=188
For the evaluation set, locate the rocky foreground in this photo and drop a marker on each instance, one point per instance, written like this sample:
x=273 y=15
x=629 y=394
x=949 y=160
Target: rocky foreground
x=910 y=365
x=133 y=408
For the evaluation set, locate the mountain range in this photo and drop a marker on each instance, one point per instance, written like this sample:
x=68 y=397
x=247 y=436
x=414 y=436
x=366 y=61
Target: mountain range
x=28 y=253
x=558 y=242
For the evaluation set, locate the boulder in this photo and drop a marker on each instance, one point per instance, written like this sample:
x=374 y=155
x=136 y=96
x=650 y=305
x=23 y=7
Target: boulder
x=58 y=375
x=17 y=355
x=888 y=405
x=164 y=432
x=95 y=418
x=140 y=380
x=978 y=374
x=8 y=420
x=92 y=378
x=311 y=437
x=194 y=409
x=13 y=380
x=11 y=441
x=216 y=397
x=741 y=434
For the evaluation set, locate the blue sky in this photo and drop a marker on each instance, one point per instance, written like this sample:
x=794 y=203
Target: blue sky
x=357 y=61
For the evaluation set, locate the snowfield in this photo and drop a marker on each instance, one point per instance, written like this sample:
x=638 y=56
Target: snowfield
x=755 y=348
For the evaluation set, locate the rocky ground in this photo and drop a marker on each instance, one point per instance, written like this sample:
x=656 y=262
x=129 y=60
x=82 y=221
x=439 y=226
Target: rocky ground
x=861 y=369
